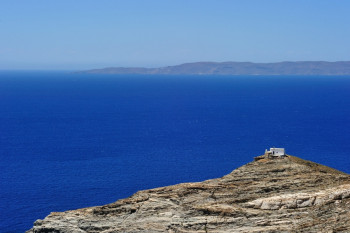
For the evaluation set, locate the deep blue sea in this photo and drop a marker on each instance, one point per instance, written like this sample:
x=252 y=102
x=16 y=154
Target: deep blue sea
x=69 y=141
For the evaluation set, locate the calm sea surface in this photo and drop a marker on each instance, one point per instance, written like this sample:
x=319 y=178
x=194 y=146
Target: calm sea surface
x=69 y=141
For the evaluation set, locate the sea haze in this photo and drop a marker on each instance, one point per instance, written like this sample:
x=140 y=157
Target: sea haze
x=75 y=140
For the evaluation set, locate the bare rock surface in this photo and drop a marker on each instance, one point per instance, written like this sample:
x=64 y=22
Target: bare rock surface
x=268 y=195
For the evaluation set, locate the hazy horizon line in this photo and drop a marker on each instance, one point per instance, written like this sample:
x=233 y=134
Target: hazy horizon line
x=160 y=66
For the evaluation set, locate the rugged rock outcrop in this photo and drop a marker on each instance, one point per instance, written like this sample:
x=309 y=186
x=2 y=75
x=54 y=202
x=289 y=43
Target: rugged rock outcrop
x=268 y=195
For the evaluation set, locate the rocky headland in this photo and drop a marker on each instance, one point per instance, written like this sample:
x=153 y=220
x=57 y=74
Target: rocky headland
x=267 y=195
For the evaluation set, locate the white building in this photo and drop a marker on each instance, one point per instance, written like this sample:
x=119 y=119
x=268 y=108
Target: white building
x=276 y=152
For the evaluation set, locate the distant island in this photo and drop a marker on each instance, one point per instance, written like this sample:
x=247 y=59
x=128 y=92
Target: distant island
x=237 y=68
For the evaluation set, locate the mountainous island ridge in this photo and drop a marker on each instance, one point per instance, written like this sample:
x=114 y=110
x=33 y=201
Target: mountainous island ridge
x=236 y=68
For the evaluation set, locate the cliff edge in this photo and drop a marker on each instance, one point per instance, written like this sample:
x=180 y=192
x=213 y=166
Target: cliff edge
x=267 y=195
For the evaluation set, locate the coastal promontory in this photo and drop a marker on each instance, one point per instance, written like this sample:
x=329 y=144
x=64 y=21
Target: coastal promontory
x=283 y=194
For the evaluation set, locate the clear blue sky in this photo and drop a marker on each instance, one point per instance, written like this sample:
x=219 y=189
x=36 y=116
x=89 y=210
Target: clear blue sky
x=83 y=34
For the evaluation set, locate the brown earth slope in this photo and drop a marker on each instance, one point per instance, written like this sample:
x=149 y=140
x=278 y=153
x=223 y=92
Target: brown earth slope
x=267 y=195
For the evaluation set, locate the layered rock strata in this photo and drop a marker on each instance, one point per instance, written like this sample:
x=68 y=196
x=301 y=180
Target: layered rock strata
x=267 y=195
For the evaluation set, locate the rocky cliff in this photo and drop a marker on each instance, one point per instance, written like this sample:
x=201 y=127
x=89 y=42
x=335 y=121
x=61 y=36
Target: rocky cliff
x=267 y=195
